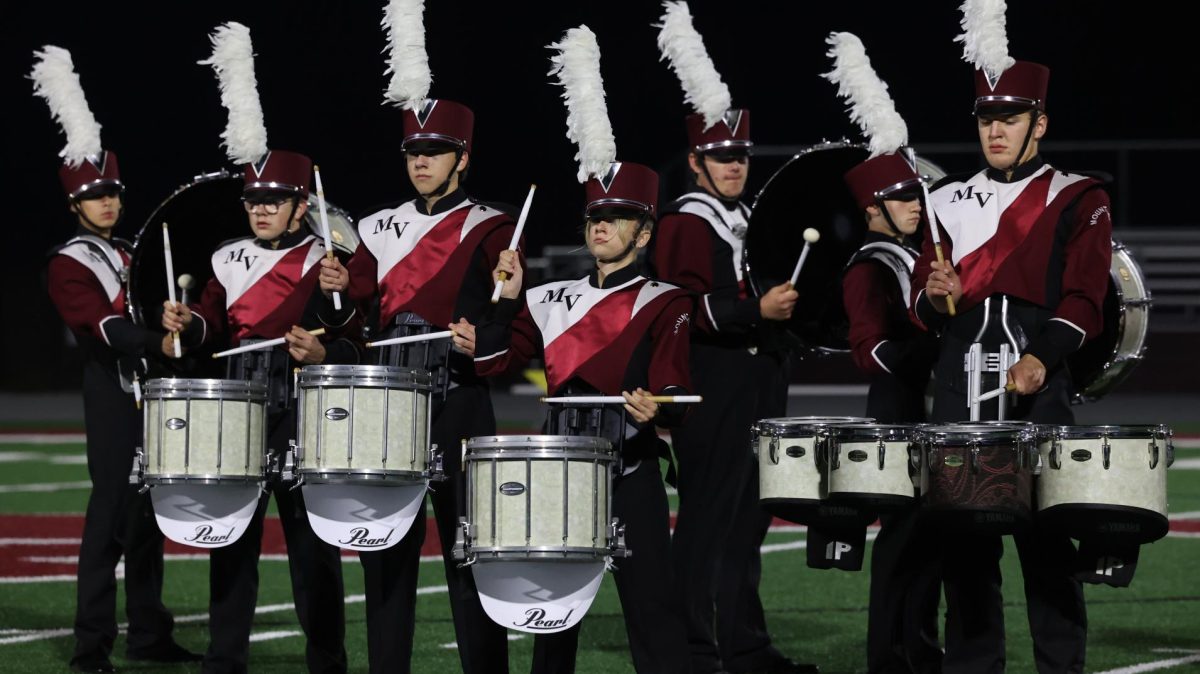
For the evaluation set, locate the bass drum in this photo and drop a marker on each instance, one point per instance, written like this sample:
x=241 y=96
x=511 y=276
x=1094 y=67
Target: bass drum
x=809 y=191
x=201 y=215
x=1105 y=361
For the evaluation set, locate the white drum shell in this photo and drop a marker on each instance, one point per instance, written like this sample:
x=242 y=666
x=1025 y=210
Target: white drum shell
x=869 y=476
x=1129 y=481
x=204 y=430
x=787 y=449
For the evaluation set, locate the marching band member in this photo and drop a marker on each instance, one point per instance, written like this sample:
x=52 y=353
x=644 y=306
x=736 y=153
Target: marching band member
x=261 y=289
x=611 y=332
x=86 y=281
x=428 y=262
x=1027 y=250
x=719 y=526
x=895 y=354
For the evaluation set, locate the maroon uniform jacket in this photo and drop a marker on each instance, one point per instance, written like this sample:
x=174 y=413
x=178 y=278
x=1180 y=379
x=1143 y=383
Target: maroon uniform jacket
x=697 y=245
x=632 y=332
x=86 y=282
x=1044 y=236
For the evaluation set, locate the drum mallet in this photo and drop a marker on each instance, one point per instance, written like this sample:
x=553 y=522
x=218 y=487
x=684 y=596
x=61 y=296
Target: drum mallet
x=263 y=345
x=186 y=283
x=444 y=334
x=171 y=283
x=996 y=393
x=337 y=297
x=937 y=242
x=616 y=400
x=516 y=238
x=811 y=236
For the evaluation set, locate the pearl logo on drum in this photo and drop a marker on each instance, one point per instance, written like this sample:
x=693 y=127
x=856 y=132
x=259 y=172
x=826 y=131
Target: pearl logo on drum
x=1081 y=455
x=535 y=620
x=175 y=423
x=336 y=414
x=360 y=538
x=856 y=455
x=512 y=489
x=794 y=451
x=204 y=536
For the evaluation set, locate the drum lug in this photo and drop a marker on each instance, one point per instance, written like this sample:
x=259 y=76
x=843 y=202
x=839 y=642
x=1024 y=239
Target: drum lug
x=435 y=460
x=137 y=476
x=834 y=454
x=934 y=459
x=1170 y=450
x=882 y=449
x=1055 y=459
x=1107 y=452
x=773 y=450
x=616 y=532
x=1152 y=449
x=459 y=551
x=974 y=450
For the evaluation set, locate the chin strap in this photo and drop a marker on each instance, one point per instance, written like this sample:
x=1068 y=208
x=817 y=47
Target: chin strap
x=441 y=189
x=1033 y=118
x=286 y=230
x=728 y=201
x=79 y=210
x=887 y=217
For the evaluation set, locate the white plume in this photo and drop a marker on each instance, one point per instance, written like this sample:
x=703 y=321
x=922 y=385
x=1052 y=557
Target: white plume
x=55 y=80
x=985 y=41
x=683 y=47
x=577 y=65
x=867 y=96
x=408 y=64
x=245 y=135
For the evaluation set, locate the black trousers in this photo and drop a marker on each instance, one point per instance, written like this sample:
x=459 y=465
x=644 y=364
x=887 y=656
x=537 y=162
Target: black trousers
x=391 y=574
x=119 y=521
x=316 y=573
x=971 y=568
x=653 y=625
x=906 y=581
x=720 y=526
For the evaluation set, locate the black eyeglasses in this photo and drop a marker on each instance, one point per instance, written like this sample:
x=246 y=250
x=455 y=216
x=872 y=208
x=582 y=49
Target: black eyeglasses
x=270 y=207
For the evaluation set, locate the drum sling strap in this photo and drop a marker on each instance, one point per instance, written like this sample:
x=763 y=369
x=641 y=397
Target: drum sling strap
x=432 y=355
x=613 y=424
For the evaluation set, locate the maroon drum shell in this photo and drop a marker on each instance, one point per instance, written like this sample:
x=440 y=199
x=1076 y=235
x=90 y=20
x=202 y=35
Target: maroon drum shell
x=978 y=486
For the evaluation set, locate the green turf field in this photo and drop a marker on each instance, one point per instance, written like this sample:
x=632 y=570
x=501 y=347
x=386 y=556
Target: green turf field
x=816 y=616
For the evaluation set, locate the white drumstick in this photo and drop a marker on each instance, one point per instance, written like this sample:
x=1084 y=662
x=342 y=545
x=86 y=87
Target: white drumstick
x=337 y=297
x=614 y=400
x=516 y=238
x=445 y=334
x=171 y=284
x=937 y=242
x=996 y=393
x=811 y=236
x=263 y=345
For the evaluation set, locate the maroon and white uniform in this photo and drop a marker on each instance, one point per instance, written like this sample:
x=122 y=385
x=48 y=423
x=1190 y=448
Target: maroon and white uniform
x=631 y=333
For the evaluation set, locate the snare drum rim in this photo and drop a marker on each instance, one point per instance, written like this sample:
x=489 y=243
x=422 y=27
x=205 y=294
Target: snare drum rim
x=498 y=552
x=365 y=376
x=362 y=476
x=977 y=433
x=1114 y=431
x=804 y=426
x=890 y=432
x=543 y=454
x=537 y=443
x=204 y=478
x=236 y=390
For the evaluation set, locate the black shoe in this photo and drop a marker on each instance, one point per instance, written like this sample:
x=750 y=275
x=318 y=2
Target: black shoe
x=166 y=652
x=91 y=663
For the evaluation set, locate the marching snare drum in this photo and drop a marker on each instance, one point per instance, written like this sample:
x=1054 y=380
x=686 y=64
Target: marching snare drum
x=978 y=477
x=792 y=479
x=870 y=465
x=204 y=431
x=539 y=497
x=364 y=423
x=1105 y=481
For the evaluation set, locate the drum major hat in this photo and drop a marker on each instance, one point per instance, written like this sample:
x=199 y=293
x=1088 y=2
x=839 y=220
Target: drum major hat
x=714 y=124
x=86 y=164
x=439 y=121
x=999 y=79
x=607 y=182
x=880 y=177
x=280 y=171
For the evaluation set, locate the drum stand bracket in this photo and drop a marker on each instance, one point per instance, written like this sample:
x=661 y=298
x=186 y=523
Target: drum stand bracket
x=137 y=475
x=461 y=537
x=975 y=363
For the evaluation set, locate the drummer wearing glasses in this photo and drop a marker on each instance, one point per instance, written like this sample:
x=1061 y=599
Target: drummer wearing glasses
x=1027 y=251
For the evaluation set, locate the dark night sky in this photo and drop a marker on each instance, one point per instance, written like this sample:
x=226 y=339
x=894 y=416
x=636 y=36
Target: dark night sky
x=1118 y=72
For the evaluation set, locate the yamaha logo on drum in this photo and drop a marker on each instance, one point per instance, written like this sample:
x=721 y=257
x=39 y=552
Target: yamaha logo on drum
x=204 y=536
x=175 y=423
x=336 y=414
x=512 y=489
x=535 y=619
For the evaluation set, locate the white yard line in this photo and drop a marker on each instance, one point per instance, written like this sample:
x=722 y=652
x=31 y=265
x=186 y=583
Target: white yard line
x=1156 y=665
x=40 y=541
x=42 y=438
x=275 y=634
x=44 y=487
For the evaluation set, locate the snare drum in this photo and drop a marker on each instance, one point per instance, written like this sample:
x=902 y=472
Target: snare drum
x=792 y=479
x=978 y=477
x=361 y=423
x=539 y=497
x=1105 y=482
x=870 y=466
x=204 y=431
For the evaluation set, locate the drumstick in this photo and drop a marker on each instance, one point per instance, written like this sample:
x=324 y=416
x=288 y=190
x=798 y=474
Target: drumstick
x=613 y=400
x=1007 y=388
x=445 y=334
x=937 y=241
x=171 y=284
x=263 y=345
x=516 y=238
x=811 y=236
x=337 y=297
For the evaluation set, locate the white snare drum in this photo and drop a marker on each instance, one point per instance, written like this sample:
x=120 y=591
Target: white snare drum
x=791 y=463
x=873 y=466
x=539 y=497
x=204 y=431
x=361 y=423
x=1105 y=481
